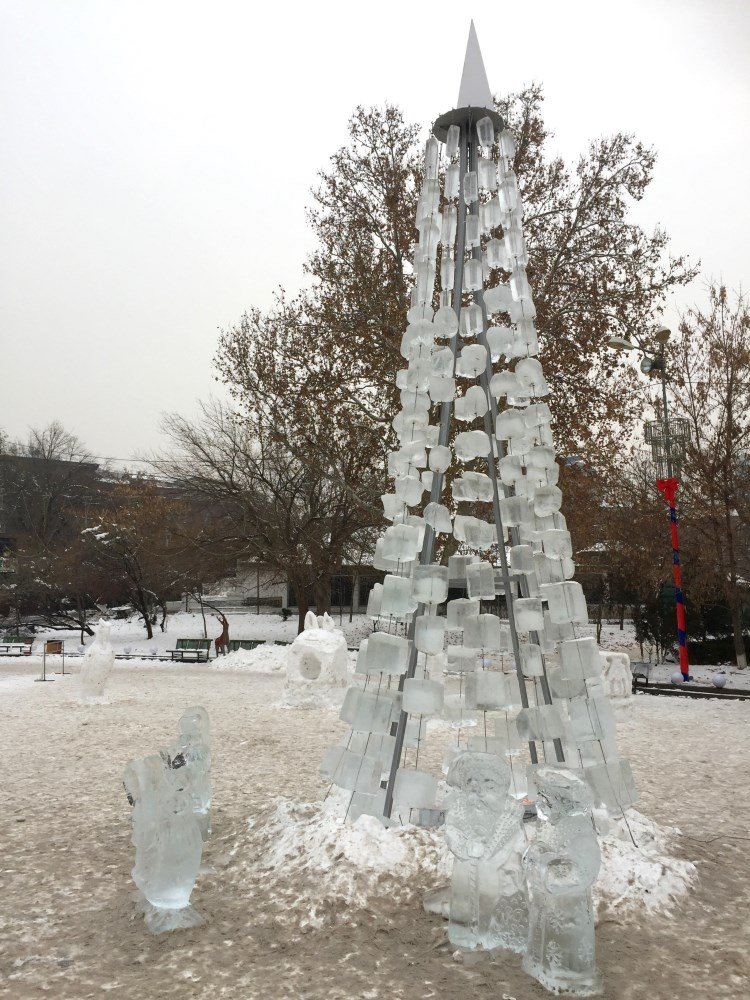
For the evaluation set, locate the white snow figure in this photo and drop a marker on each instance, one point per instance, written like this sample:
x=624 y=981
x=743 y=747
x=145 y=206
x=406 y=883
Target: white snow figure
x=98 y=661
x=561 y=865
x=190 y=755
x=617 y=680
x=316 y=661
x=167 y=841
x=483 y=829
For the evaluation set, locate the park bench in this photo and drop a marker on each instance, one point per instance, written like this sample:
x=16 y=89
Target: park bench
x=282 y=642
x=16 y=645
x=191 y=649
x=235 y=644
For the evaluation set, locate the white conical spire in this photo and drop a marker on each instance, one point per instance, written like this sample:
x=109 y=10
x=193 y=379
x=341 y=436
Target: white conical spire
x=475 y=90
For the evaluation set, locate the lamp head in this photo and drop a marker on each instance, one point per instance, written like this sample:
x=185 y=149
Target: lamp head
x=620 y=344
x=663 y=334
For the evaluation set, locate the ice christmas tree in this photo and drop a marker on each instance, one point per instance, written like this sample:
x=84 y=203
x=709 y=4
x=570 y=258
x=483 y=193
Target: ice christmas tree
x=476 y=460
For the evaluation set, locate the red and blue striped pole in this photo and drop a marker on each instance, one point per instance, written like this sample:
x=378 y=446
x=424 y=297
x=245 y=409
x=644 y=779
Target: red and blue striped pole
x=668 y=489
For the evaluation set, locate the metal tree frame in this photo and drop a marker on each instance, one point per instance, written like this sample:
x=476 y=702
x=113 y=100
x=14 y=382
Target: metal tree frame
x=466 y=119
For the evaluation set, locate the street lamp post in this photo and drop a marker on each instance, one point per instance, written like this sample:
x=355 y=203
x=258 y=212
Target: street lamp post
x=660 y=434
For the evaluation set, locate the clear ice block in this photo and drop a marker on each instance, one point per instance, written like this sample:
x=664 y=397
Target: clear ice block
x=401 y=542
x=452 y=180
x=452 y=142
x=543 y=722
x=438 y=517
x=547 y=500
x=528 y=614
x=415 y=789
x=472 y=361
x=442 y=388
x=480 y=581
x=396 y=599
x=498 y=299
x=532 y=663
x=429 y=634
x=431 y=158
x=613 y=785
x=430 y=584
x=521 y=559
x=580 y=659
x=471 y=405
x=374 y=601
x=366 y=712
x=446 y=322
x=351 y=771
x=487 y=174
x=510 y=423
x=486 y=133
x=486 y=632
x=440 y=458
x=448 y=226
x=469 y=445
x=471 y=318
x=387 y=654
x=409 y=489
x=460 y=609
x=566 y=602
x=472 y=275
x=422 y=697
x=471 y=187
x=461 y=660
x=473 y=231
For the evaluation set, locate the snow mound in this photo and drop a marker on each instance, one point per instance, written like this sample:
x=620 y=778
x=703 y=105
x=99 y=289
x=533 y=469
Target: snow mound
x=643 y=874
x=340 y=867
x=325 y=870
x=265 y=659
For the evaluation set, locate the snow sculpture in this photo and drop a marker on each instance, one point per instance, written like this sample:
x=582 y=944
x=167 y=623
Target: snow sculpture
x=190 y=754
x=96 y=667
x=483 y=829
x=561 y=865
x=617 y=680
x=167 y=841
x=316 y=661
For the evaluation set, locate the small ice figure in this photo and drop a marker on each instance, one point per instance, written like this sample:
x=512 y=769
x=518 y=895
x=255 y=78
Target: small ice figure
x=483 y=829
x=167 y=841
x=98 y=661
x=561 y=866
x=191 y=755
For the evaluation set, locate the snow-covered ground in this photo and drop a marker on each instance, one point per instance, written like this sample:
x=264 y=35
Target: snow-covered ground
x=299 y=906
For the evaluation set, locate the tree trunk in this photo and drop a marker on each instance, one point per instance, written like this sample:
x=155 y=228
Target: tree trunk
x=323 y=593
x=163 y=622
x=141 y=606
x=203 y=612
x=622 y=617
x=302 y=607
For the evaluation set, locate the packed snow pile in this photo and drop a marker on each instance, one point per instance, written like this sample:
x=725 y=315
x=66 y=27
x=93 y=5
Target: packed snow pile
x=327 y=869
x=316 y=661
x=640 y=874
x=265 y=659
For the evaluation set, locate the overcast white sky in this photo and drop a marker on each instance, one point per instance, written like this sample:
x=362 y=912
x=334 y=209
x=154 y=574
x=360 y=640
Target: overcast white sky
x=156 y=159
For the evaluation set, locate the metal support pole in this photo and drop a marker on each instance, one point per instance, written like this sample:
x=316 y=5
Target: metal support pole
x=490 y=421
x=428 y=545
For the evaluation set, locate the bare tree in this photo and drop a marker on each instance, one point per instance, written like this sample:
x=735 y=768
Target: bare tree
x=267 y=505
x=711 y=366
